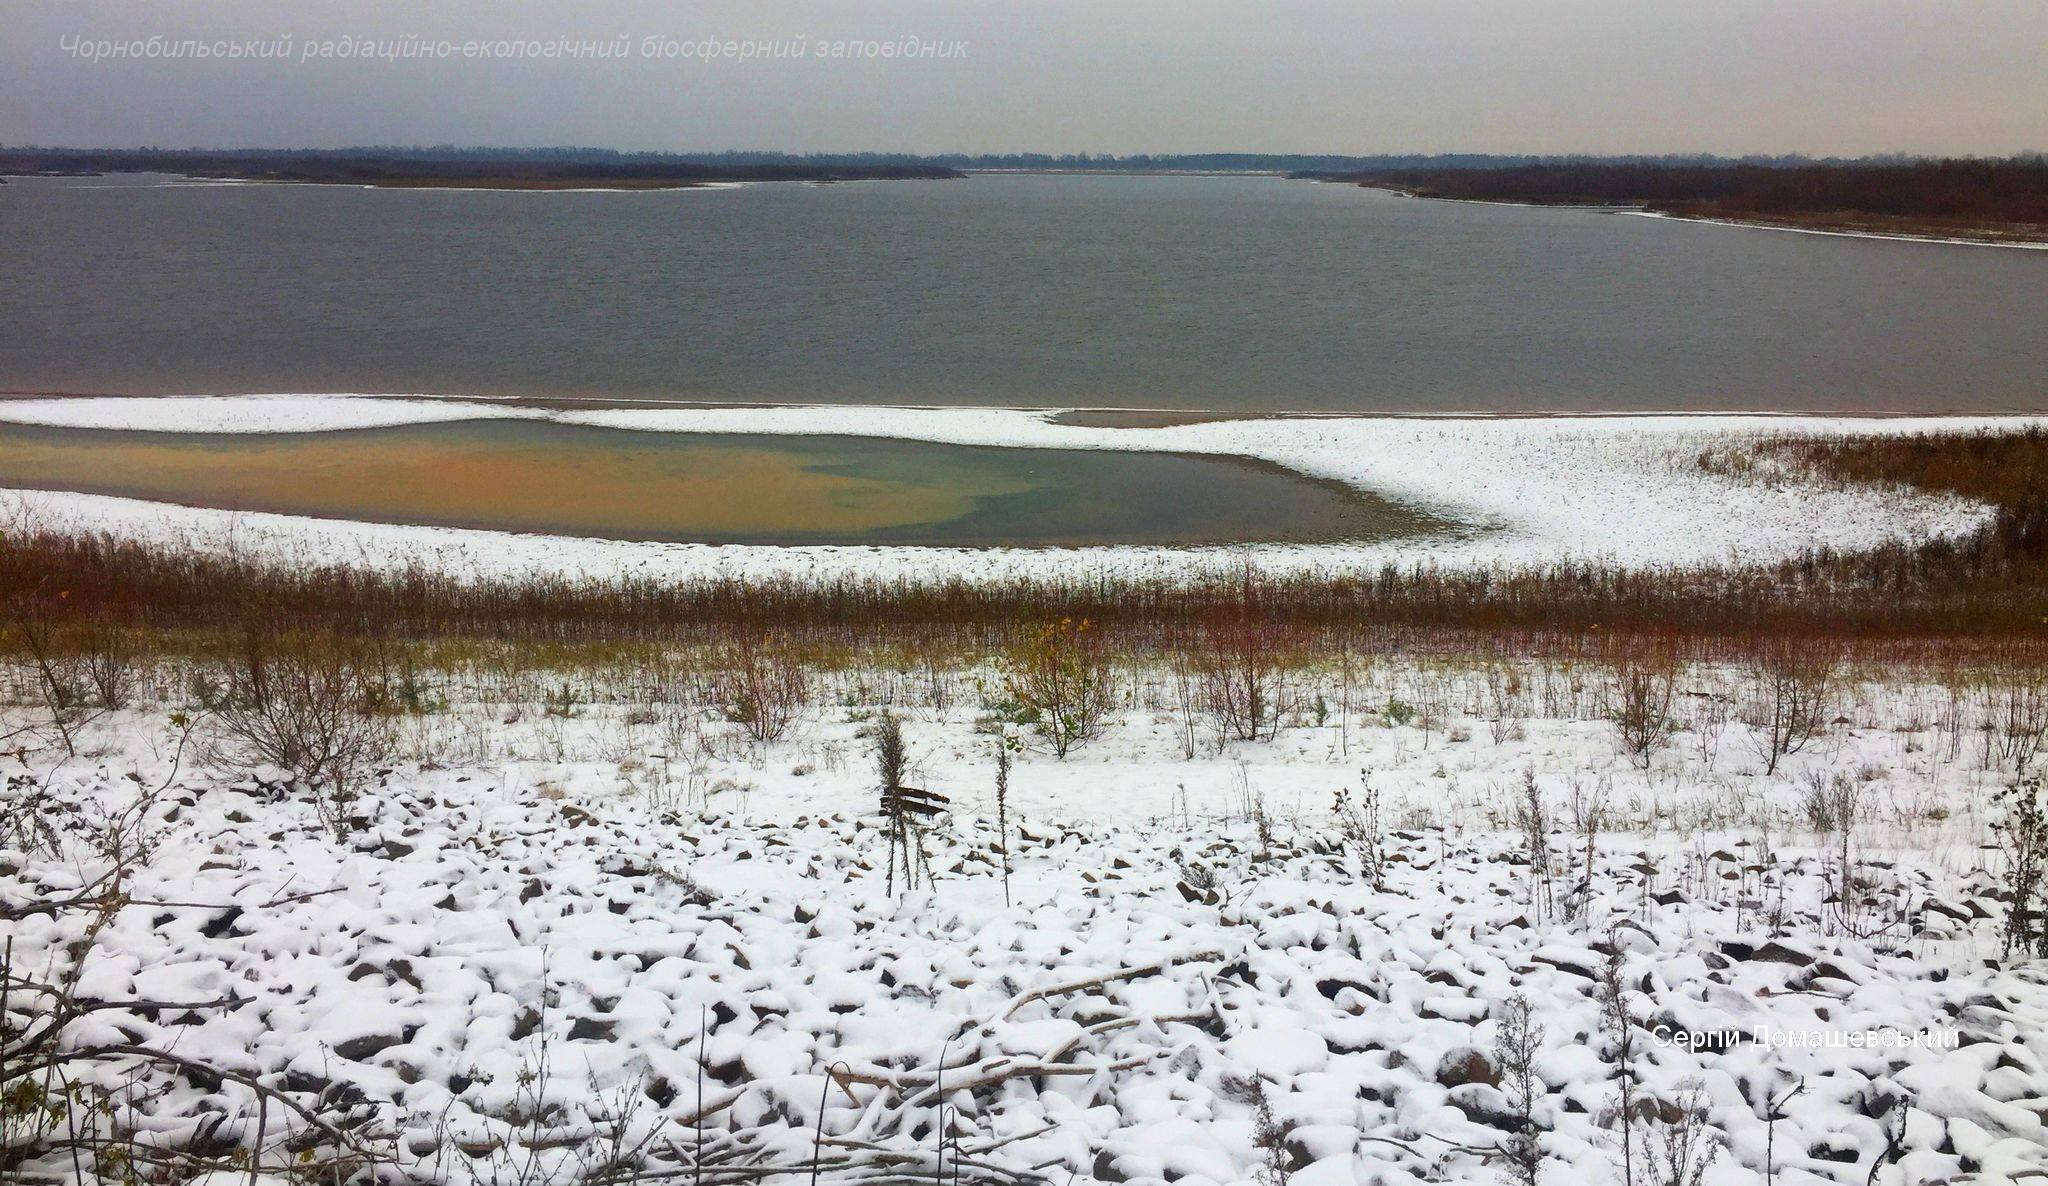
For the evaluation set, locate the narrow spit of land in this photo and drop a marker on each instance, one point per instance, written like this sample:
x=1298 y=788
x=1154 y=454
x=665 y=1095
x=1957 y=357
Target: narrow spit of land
x=412 y=171
x=1979 y=201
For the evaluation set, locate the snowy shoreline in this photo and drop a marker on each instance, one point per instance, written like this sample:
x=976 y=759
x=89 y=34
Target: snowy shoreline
x=1881 y=236
x=1736 y=223
x=1622 y=489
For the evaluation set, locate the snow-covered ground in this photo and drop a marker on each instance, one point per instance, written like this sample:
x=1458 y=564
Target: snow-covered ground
x=547 y=936
x=1893 y=237
x=1525 y=490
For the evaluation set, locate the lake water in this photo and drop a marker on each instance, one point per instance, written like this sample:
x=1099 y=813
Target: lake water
x=1171 y=292
x=621 y=484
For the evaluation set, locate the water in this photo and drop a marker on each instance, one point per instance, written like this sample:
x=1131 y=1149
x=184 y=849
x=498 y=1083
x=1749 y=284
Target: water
x=1173 y=292
x=621 y=484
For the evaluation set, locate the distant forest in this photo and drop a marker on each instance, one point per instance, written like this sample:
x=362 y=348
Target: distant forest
x=1960 y=192
x=427 y=167
x=1988 y=198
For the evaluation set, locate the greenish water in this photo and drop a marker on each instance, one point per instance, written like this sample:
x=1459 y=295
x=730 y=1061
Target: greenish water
x=531 y=476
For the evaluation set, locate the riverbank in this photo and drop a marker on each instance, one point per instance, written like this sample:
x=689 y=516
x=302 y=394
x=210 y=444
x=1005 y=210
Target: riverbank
x=2000 y=202
x=425 y=170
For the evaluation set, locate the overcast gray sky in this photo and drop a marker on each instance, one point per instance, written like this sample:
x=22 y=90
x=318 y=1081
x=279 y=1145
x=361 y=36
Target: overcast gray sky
x=1352 y=76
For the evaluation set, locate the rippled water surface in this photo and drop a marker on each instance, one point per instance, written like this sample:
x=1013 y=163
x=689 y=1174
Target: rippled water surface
x=1177 y=292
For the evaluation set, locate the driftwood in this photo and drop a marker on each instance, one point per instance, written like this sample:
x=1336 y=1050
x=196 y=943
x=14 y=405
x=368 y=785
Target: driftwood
x=908 y=810
x=971 y=1069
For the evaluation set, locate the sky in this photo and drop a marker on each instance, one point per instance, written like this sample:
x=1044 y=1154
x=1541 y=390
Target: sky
x=1825 y=77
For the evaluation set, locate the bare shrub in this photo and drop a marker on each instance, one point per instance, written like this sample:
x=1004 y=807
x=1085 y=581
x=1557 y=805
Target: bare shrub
x=1061 y=681
x=2024 y=832
x=891 y=755
x=1269 y=1134
x=30 y=815
x=1532 y=819
x=56 y=680
x=1831 y=802
x=1706 y=717
x=399 y=683
x=1787 y=707
x=1003 y=813
x=1675 y=1144
x=1244 y=685
x=2015 y=724
x=1514 y=1051
x=1588 y=817
x=1504 y=702
x=1618 y=1027
x=1358 y=824
x=304 y=705
x=109 y=662
x=761 y=684
x=1639 y=706
x=1186 y=687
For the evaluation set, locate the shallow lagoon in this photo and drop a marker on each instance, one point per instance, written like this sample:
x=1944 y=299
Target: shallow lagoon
x=530 y=476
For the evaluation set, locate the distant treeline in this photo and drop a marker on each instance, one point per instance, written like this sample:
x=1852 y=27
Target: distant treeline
x=429 y=166
x=2011 y=191
x=1316 y=164
x=1253 y=162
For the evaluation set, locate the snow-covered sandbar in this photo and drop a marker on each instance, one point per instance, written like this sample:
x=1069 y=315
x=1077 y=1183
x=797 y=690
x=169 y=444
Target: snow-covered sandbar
x=1625 y=489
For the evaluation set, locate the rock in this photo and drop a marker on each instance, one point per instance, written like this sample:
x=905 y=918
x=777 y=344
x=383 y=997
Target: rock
x=1485 y=1105
x=222 y=924
x=1467 y=1064
x=1778 y=953
x=367 y=1047
x=1564 y=960
x=1934 y=906
x=1655 y=1108
x=396 y=970
x=592 y=1029
x=1466 y=1009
